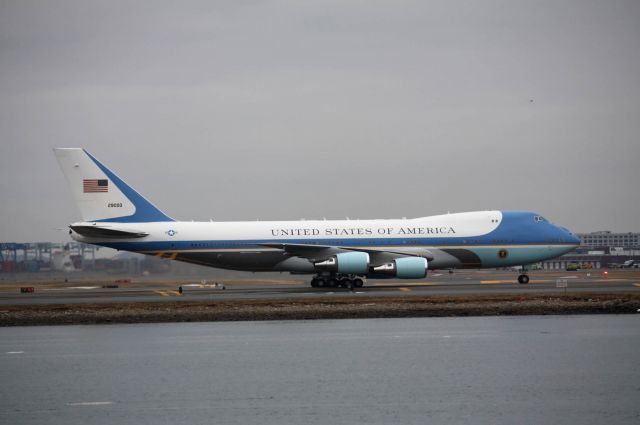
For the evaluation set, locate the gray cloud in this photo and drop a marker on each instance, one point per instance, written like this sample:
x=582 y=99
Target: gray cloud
x=367 y=109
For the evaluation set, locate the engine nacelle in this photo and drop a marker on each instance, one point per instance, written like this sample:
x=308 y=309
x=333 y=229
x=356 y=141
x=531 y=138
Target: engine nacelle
x=346 y=262
x=405 y=268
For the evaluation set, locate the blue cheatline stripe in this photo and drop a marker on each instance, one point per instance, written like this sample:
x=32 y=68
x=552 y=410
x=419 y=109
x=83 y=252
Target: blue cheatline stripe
x=256 y=243
x=145 y=211
x=517 y=255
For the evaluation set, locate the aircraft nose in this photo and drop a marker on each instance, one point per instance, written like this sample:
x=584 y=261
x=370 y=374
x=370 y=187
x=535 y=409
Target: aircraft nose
x=571 y=238
x=574 y=239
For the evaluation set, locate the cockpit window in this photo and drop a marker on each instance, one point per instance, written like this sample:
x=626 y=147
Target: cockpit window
x=539 y=218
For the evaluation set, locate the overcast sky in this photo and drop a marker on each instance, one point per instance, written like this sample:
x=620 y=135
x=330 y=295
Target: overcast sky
x=239 y=110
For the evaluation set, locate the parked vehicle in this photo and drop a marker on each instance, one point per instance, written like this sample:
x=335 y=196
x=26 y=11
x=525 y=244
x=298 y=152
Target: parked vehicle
x=571 y=267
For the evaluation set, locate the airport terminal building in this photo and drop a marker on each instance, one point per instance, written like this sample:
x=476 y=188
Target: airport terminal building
x=609 y=239
x=602 y=249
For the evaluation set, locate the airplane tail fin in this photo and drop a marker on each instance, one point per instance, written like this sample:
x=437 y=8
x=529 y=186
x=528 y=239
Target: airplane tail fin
x=100 y=194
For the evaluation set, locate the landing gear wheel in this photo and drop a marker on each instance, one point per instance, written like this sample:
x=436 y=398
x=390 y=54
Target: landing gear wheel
x=320 y=282
x=334 y=283
x=523 y=278
x=358 y=283
x=315 y=282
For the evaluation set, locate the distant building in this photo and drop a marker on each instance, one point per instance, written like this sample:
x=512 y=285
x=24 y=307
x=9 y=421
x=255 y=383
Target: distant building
x=609 y=239
x=599 y=250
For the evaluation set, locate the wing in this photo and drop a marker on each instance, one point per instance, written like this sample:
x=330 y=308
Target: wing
x=322 y=252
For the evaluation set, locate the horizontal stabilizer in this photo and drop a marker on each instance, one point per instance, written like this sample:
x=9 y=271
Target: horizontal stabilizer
x=102 y=232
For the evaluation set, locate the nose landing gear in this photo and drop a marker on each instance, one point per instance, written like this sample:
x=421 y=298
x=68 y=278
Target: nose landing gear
x=524 y=277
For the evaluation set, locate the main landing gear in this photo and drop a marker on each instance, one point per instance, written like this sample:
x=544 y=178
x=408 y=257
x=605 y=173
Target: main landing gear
x=335 y=280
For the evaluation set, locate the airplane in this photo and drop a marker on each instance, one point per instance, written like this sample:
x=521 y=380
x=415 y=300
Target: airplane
x=336 y=252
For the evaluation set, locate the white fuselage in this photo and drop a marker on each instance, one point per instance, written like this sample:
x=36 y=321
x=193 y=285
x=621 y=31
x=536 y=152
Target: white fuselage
x=447 y=238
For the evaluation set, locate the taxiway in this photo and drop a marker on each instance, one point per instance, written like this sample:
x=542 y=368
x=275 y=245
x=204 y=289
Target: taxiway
x=438 y=283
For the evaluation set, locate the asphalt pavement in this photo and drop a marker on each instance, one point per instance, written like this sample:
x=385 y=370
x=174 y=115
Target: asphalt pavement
x=437 y=283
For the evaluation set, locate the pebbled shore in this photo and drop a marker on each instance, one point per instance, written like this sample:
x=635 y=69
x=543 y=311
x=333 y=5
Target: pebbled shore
x=321 y=308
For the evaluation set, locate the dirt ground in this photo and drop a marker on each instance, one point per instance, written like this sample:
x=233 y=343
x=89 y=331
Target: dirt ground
x=322 y=308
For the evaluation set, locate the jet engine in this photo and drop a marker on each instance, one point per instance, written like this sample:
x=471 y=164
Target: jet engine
x=405 y=268
x=346 y=262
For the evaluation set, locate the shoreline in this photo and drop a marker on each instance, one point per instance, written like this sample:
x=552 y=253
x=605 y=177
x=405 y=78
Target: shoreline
x=321 y=308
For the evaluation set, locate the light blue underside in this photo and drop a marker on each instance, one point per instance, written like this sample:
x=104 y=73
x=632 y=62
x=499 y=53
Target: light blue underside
x=517 y=255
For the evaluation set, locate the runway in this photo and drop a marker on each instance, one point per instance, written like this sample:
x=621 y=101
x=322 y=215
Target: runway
x=438 y=283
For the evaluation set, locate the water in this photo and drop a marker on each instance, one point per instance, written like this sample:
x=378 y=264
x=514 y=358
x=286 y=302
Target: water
x=494 y=370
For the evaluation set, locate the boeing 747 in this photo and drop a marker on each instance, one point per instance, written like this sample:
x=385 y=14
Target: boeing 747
x=336 y=252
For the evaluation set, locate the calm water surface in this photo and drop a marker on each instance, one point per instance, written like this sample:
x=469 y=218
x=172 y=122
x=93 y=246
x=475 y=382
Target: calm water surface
x=495 y=370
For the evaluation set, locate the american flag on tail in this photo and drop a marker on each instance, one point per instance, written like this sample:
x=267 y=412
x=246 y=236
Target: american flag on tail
x=95 y=185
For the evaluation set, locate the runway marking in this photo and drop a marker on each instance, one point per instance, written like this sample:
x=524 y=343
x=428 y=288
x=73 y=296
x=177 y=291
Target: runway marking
x=612 y=280
x=404 y=289
x=497 y=282
x=69 y=288
x=90 y=403
x=168 y=293
x=15 y=352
